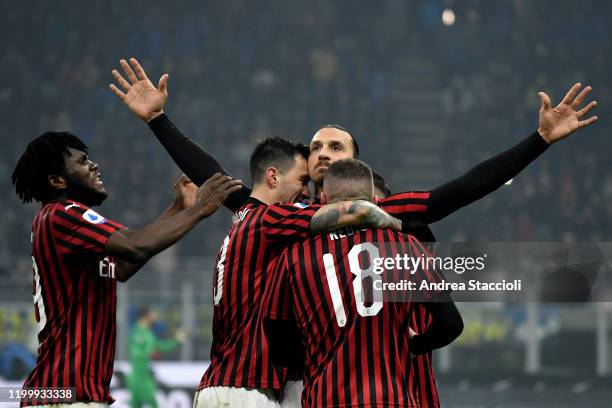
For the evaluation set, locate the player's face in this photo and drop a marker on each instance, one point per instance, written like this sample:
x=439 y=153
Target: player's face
x=293 y=185
x=327 y=146
x=83 y=177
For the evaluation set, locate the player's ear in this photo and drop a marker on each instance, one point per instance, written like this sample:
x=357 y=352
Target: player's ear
x=272 y=177
x=57 y=182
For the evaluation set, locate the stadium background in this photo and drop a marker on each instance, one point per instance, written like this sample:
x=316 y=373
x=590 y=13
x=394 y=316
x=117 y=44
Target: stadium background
x=424 y=99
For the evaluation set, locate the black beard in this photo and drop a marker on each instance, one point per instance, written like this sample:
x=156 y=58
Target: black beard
x=83 y=194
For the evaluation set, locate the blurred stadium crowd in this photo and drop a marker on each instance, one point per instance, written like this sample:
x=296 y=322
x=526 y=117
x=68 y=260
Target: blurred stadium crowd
x=241 y=71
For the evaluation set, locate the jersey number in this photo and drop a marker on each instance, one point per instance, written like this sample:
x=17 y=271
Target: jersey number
x=38 y=299
x=360 y=274
x=218 y=289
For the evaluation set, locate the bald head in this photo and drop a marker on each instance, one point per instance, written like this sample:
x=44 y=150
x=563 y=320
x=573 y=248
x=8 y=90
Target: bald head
x=348 y=179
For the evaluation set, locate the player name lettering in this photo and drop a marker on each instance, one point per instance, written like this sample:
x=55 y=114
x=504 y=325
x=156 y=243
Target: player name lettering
x=344 y=232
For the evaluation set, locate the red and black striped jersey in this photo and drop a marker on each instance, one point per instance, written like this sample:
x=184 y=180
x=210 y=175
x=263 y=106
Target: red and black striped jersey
x=414 y=204
x=421 y=366
x=240 y=354
x=357 y=352
x=74 y=291
x=412 y=207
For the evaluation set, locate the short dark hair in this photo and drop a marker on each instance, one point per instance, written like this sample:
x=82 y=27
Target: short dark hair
x=355 y=144
x=351 y=178
x=43 y=157
x=277 y=152
x=381 y=184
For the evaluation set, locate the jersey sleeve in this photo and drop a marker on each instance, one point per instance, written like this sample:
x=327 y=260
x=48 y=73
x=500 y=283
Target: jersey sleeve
x=476 y=183
x=277 y=303
x=194 y=161
x=282 y=221
x=79 y=229
x=410 y=206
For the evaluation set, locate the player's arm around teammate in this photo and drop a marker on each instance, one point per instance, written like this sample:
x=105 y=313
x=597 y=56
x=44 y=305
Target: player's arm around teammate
x=139 y=245
x=184 y=197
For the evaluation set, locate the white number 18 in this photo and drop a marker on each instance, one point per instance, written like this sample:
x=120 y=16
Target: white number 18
x=360 y=274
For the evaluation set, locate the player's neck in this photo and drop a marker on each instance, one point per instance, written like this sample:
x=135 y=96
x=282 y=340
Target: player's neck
x=318 y=188
x=264 y=195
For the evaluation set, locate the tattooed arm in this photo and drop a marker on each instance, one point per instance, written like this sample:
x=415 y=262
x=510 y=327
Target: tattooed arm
x=358 y=213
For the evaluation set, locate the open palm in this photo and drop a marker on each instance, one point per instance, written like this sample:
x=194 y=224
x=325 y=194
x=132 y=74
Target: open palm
x=559 y=122
x=139 y=95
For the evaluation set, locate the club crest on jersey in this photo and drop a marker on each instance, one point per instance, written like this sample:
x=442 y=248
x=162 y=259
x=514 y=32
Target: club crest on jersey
x=300 y=205
x=93 y=217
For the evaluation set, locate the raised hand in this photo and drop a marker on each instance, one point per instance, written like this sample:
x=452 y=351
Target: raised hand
x=185 y=192
x=563 y=120
x=213 y=193
x=139 y=95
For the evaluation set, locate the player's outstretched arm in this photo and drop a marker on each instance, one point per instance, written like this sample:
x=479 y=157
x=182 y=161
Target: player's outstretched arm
x=185 y=193
x=354 y=213
x=555 y=125
x=147 y=102
x=138 y=246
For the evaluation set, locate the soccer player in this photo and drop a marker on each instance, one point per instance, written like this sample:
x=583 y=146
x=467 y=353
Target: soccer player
x=142 y=345
x=241 y=372
x=357 y=352
x=78 y=255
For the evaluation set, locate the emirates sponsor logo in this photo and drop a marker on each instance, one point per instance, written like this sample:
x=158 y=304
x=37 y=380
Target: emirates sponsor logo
x=107 y=268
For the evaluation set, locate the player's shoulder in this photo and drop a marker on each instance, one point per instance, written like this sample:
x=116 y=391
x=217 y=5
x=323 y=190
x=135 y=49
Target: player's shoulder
x=406 y=196
x=70 y=206
x=288 y=210
x=385 y=235
x=289 y=206
x=76 y=211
